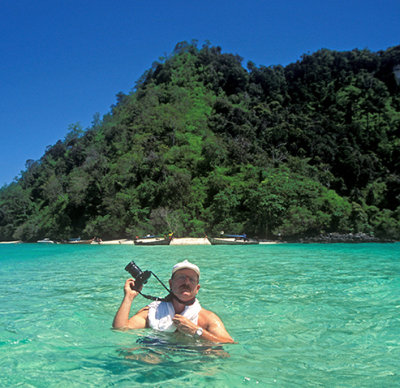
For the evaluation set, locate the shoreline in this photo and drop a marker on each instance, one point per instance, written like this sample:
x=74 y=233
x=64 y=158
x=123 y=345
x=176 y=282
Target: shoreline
x=175 y=241
x=329 y=238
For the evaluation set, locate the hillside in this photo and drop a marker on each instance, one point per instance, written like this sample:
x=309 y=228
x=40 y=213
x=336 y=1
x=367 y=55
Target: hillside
x=204 y=144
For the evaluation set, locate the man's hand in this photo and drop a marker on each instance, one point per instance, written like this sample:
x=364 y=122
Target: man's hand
x=184 y=325
x=129 y=292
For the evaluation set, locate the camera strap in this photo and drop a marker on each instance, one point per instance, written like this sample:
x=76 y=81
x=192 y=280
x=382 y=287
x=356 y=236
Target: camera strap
x=156 y=298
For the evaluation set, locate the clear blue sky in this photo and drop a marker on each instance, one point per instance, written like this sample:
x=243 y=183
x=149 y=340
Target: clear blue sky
x=61 y=61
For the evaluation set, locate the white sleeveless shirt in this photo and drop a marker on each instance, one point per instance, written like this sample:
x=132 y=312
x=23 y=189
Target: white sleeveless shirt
x=161 y=313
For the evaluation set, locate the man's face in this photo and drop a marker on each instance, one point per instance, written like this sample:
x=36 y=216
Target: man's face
x=185 y=284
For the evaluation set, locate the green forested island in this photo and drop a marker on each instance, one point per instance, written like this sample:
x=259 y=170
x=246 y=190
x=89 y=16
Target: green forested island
x=203 y=143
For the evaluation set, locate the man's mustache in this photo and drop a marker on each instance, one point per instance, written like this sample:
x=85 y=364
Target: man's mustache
x=184 y=288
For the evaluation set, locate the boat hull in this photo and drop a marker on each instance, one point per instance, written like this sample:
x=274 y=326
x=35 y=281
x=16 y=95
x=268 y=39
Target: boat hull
x=79 y=242
x=45 y=241
x=232 y=241
x=152 y=241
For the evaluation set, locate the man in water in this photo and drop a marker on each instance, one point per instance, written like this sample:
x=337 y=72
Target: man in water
x=182 y=313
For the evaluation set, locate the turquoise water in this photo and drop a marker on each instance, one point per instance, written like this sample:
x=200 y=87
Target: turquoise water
x=303 y=315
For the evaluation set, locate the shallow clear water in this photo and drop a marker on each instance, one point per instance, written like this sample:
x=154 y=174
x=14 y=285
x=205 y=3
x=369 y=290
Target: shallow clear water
x=303 y=315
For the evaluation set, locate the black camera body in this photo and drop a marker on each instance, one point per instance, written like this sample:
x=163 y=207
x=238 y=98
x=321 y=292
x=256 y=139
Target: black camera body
x=139 y=276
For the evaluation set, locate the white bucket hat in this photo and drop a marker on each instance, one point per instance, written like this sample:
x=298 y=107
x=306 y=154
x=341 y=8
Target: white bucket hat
x=185 y=264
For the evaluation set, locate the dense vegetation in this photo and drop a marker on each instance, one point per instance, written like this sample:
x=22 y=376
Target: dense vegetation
x=202 y=144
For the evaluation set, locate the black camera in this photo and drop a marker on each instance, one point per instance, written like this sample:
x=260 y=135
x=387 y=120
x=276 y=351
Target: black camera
x=139 y=276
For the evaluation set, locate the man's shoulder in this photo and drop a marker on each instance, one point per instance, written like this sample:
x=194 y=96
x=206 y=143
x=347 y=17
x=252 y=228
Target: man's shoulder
x=208 y=319
x=207 y=315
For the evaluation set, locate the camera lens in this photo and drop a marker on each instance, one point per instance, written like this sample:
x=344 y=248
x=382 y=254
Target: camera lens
x=133 y=269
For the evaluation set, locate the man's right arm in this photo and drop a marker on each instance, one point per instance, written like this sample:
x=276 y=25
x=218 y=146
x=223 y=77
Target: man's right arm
x=121 y=319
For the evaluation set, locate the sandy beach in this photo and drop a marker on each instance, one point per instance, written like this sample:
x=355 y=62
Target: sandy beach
x=114 y=242
x=190 y=241
x=178 y=241
x=175 y=241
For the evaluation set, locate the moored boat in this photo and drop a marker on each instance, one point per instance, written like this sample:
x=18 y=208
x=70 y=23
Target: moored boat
x=153 y=240
x=233 y=239
x=45 y=241
x=79 y=241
